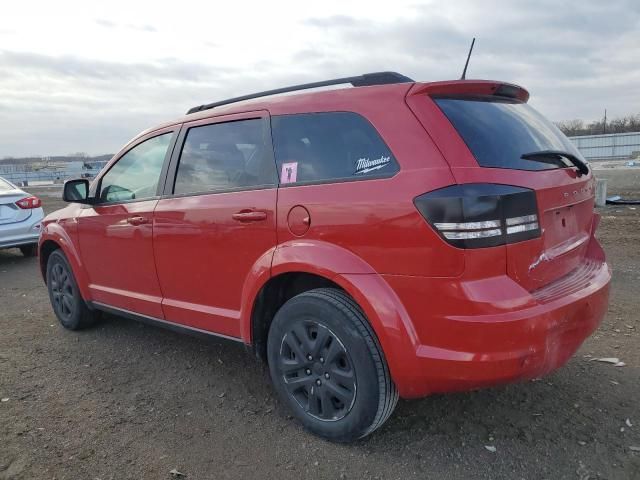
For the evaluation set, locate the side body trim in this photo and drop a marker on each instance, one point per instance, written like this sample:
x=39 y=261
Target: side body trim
x=176 y=327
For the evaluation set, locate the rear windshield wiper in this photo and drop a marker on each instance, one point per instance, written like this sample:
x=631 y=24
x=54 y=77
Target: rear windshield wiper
x=555 y=157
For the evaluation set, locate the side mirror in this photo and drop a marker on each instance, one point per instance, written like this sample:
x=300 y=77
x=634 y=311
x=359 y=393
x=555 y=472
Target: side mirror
x=76 y=191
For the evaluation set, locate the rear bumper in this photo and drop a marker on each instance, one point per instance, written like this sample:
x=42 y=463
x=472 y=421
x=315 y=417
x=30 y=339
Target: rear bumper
x=18 y=241
x=22 y=233
x=482 y=333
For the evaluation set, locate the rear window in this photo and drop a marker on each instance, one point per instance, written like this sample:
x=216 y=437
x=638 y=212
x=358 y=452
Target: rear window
x=5 y=186
x=332 y=146
x=499 y=131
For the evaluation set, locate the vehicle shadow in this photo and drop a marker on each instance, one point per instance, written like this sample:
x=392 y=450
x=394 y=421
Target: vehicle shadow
x=564 y=418
x=12 y=258
x=521 y=412
x=552 y=418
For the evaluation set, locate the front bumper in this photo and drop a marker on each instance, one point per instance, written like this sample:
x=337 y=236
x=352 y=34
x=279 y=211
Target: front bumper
x=467 y=341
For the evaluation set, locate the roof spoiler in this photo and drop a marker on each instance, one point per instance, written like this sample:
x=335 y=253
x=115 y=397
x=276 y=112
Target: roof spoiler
x=471 y=87
x=365 y=80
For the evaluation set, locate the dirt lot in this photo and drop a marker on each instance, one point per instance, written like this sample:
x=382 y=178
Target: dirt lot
x=125 y=400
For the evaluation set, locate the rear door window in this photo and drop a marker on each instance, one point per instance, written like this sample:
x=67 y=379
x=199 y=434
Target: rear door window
x=5 y=186
x=326 y=147
x=225 y=156
x=499 y=131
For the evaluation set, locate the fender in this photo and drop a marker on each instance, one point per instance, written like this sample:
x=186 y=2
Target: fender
x=390 y=322
x=318 y=257
x=385 y=312
x=64 y=233
x=257 y=277
x=308 y=256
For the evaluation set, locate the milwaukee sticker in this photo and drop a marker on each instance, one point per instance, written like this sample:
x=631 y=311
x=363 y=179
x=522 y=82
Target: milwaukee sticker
x=366 y=165
x=289 y=173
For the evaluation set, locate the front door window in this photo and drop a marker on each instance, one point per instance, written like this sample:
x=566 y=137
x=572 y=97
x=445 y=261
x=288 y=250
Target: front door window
x=136 y=174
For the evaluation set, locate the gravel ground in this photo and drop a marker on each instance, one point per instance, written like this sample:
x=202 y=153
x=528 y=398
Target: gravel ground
x=125 y=400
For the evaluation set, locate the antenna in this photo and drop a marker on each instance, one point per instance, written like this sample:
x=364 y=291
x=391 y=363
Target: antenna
x=464 y=72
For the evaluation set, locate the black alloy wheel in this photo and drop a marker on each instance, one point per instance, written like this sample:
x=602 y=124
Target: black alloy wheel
x=327 y=365
x=62 y=291
x=68 y=305
x=317 y=371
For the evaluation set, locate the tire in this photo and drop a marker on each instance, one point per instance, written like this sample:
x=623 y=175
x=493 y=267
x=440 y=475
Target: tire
x=30 y=250
x=324 y=332
x=67 y=303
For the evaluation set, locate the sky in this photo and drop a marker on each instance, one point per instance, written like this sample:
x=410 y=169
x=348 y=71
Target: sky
x=80 y=76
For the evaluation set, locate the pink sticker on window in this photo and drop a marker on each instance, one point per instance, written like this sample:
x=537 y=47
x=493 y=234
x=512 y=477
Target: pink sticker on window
x=289 y=173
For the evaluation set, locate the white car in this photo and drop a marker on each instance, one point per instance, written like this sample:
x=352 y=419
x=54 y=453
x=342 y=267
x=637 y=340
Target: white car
x=21 y=217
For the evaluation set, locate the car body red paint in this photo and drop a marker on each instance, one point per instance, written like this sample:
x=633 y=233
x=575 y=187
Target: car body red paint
x=447 y=318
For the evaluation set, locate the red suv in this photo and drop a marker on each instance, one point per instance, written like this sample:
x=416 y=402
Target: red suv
x=397 y=238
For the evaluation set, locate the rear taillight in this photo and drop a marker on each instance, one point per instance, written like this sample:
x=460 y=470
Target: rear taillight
x=476 y=215
x=29 y=203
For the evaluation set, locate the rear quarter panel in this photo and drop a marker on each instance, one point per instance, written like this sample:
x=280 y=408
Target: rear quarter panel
x=376 y=219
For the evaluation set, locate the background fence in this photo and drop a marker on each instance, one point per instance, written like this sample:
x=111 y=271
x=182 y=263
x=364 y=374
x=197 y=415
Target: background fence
x=34 y=174
x=615 y=146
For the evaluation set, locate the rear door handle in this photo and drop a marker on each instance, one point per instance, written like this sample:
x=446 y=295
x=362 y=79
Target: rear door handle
x=137 y=220
x=249 y=216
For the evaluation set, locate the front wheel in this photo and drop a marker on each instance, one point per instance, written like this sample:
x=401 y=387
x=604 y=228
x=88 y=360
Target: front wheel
x=67 y=303
x=327 y=365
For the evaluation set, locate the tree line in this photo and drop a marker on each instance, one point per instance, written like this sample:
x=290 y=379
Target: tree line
x=576 y=127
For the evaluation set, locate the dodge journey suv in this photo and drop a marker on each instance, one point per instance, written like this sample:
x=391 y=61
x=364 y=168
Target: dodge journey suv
x=387 y=239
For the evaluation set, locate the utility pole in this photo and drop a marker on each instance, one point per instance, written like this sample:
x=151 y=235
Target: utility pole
x=604 y=124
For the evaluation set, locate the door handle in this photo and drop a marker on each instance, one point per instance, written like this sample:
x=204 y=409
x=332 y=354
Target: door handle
x=137 y=220
x=249 y=216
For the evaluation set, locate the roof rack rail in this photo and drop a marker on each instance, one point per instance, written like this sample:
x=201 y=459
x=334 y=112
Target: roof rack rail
x=365 y=80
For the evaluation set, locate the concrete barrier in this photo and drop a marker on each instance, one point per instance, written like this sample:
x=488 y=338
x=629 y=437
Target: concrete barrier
x=601 y=192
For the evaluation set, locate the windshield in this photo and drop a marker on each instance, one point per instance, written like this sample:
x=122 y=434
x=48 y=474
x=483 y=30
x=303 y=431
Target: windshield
x=5 y=186
x=499 y=131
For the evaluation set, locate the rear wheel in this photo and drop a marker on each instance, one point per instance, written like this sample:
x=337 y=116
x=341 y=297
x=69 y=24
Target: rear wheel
x=68 y=305
x=327 y=366
x=30 y=250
